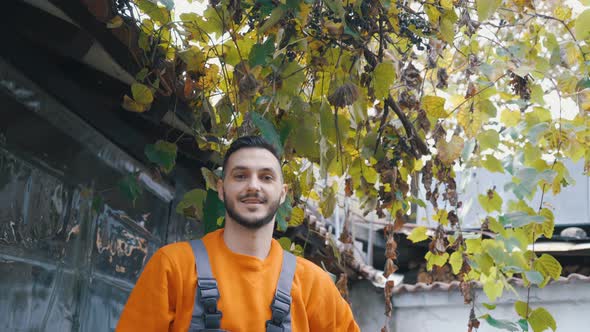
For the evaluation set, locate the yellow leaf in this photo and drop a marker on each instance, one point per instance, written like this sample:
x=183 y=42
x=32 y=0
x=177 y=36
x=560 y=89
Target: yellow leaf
x=548 y=266
x=447 y=26
x=131 y=105
x=211 y=78
x=575 y=150
x=314 y=195
x=449 y=152
x=456 y=261
x=471 y=120
x=488 y=139
x=115 y=22
x=531 y=154
x=433 y=13
x=492 y=164
x=328 y=202
x=370 y=174
x=493 y=288
x=441 y=217
x=538 y=115
x=142 y=94
x=522 y=308
x=304 y=11
x=285 y=243
x=549 y=223
x=210 y=178
x=418 y=234
x=510 y=118
x=484 y=262
x=485 y=8
x=447 y=4
x=438 y=260
x=563 y=12
x=194 y=59
x=520 y=235
x=297 y=215
x=540 y=320
x=490 y=204
x=473 y=245
x=434 y=106
x=495 y=226
x=383 y=77
x=583 y=25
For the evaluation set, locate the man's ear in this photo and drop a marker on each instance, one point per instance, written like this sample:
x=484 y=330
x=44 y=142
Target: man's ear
x=284 y=192
x=220 y=192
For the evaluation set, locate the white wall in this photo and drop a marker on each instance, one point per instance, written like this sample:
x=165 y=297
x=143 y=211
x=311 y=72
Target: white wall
x=444 y=311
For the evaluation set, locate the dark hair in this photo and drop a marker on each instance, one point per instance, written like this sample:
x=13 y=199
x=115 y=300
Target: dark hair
x=250 y=142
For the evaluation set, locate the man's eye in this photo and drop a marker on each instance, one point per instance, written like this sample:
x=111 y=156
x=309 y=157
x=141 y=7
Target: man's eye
x=239 y=176
x=267 y=178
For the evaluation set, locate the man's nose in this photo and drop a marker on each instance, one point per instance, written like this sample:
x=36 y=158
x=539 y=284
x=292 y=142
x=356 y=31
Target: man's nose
x=253 y=184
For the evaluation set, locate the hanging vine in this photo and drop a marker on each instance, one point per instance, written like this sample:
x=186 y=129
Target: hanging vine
x=363 y=96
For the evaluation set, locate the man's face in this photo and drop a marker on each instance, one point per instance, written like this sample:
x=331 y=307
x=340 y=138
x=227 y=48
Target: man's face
x=252 y=188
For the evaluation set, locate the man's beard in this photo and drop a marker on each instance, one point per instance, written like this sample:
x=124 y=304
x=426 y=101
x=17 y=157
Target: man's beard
x=249 y=223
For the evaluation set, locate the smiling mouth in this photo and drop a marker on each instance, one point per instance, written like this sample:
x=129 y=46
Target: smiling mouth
x=252 y=200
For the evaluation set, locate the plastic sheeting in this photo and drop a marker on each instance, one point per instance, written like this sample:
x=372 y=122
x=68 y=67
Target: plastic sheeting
x=64 y=265
x=67 y=259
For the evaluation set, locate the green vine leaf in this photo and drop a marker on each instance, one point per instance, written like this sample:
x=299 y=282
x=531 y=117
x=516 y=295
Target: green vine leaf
x=267 y=130
x=364 y=95
x=163 y=154
x=499 y=323
x=130 y=187
x=488 y=139
x=383 y=78
x=192 y=203
x=328 y=202
x=213 y=212
x=261 y=53
x=519 y=219
x=283 y=214
x=534 y=277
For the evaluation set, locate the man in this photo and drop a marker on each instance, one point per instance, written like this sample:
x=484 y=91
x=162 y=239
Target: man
x=244 y=259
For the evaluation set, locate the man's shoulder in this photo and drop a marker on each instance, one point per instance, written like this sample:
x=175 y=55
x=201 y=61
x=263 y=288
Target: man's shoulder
x=311 y=271
x=177 y=251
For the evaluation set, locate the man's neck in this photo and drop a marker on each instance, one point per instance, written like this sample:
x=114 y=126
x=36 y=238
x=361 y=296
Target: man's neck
x=245 y=241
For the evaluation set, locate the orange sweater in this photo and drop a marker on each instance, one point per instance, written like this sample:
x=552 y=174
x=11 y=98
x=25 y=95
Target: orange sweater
x=163 y=297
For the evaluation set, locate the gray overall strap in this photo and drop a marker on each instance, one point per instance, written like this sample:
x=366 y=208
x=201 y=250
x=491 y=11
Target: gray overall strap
x=206 y=316
x=281 y=305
